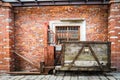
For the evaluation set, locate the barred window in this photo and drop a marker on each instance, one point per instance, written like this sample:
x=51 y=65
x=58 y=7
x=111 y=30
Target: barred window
x=67 y=33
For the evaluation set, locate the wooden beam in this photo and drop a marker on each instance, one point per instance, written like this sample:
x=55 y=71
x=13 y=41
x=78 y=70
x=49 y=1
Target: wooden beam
x=103 y=1
x=19 y=1
x=36 y=1
x=86 y=0
x=80 y=51
x=2 y=1
x=23 y=73
x=29 y=61
x=95 y=57
x=59 y=3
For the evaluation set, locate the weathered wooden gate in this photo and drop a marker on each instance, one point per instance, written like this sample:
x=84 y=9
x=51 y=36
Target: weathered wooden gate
x=85 y=56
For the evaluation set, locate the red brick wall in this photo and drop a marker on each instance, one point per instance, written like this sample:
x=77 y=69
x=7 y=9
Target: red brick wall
x=29 y=27
x=6 y=39
x=29 y=31
x=114 y=32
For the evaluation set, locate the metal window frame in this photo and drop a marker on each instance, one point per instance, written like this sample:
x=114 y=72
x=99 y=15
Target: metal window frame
x=67 y=31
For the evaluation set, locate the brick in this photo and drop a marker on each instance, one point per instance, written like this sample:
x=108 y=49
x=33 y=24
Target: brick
x=9 y=31
x=8 y=27
x=8 y=20
x=0 y=3
x=4 y=67
x=113 y=37
x=2 y=52
x=1 y=15
x=7 y=58
x=1 y=62
x=3 y=71
x=115 y=10
x=118 y=40
x=112 y=42
x=7 y=47
x=118 y=21
x=6 y=5
x=117 y=27
x=6 y=39
x=111 y=31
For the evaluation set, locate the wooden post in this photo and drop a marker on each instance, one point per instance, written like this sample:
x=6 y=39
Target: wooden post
x=48 y=50
x=45 y=42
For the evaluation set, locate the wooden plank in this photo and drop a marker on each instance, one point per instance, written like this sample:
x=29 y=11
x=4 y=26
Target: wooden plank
x=111 y=78
x=19 y=78
x=33 y=77
x=27 y=77
x=36 y=77
x=5 y=77
x=94 y=77
x=95 y=57
x=86 y=42
x=40 y=77
x=29 y=61
x=82 y=77
x=14 y=78
x=116 y=75
x=50 y=55
x=46 y=34
x=74 y=76
x=67 y=76
x=53 y=77
x=62 y=73
x=102 y=77
x=80 y=51
x=45 y=42
x=23 y=73
x=48 y=50
x=46 y=77
x=59 y=77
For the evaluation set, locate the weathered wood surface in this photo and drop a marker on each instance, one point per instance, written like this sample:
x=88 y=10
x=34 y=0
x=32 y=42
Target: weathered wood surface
x=64 y=76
